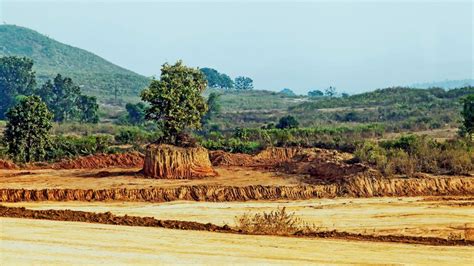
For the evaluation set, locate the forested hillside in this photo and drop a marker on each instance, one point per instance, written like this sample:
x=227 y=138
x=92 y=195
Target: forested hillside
x=94 y=74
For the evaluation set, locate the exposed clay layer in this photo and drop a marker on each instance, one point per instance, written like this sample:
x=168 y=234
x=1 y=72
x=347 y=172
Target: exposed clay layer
x=7 y=165
x=171 y=162
x=109 y=218
x=357 y=187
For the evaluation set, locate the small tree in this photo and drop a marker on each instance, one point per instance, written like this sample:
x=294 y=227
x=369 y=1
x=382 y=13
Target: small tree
x=243 y=83
x=315 y=93
x=175 y=100
x=214 y=107
x=27 y=130
x=61 y=97
x=88 y=108
x=16 y=78
x=287 y=122
x=468 y=115
x=330 y=92
x=136 y=113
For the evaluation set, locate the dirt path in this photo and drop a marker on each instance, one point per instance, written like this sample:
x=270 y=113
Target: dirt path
x=433 y=217
x=25 y=241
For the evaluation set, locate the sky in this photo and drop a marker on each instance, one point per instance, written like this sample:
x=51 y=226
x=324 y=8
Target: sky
x=355 y=46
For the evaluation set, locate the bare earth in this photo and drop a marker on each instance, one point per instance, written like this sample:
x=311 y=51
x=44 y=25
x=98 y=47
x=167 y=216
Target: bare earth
x=25 y=241
x=128 y=178
x=435 y=217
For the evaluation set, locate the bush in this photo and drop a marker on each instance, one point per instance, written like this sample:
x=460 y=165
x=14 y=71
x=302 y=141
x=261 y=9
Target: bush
x=70 y=146
x=135 y=135
x=277 y=222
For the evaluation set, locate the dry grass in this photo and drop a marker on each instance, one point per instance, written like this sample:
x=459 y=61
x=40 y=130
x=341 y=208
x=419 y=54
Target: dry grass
x=277 y=222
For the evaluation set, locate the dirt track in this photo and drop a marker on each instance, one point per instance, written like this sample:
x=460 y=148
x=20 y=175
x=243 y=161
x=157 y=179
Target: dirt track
x=432 y=217
x=84 y=243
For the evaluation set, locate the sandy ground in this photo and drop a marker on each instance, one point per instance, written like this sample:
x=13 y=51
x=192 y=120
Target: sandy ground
x=126 y=178
x=399 y=216
x=25 y=241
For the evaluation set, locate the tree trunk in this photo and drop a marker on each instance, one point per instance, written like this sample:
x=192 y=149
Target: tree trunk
x=171 y=162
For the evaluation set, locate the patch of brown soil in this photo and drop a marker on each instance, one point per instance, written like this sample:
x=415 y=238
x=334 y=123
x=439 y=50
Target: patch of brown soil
x=123 y=160
x=222 y=158
x=171 y=162
x=109 y=218
x=355 y=187
x=8 y=165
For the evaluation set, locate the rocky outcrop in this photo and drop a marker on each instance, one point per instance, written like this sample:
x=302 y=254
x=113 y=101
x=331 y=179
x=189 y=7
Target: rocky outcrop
x=171 y=162
x=357 y=187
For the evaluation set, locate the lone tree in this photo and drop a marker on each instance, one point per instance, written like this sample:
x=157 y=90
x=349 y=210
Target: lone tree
x=16 y=78
x=176 y=105
x=88 y=109
x=135 y=113
x=214 y=107
x=27 y=130
x=243 y=83
x=175 y=101
x=468 y=115
x=287 y=122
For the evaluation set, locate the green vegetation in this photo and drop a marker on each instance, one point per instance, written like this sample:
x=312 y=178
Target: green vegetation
x=287 y=122
x=243 y=83
x=288 y=92
x=468 y=115
x=16 y=79
x=97 y=76
x=216 y=79
x=176 y=103
x=27 y=130
x=412 y=154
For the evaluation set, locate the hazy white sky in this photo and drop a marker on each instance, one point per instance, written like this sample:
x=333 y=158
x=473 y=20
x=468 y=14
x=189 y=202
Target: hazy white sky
x=353 y=45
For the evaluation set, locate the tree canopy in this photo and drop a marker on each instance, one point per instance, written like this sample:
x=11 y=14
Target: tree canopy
x=214 y=107
x=243 y=83
x=468 y=114
x=16 y=78
x=287 y=122
x=216 y=79
x=27 y=130
x=136 y=113
x=176 y=103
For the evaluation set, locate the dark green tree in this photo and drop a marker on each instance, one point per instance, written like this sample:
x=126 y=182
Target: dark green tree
x=243 y=83
x=61 y=97
x=216 y=79
x=88 y=109
x=214 y=107
x=27 y=130
x=288 y=92
x=315 y=93
x=136 y=113
x=287 y=122
x=468 y=115
x=176 y=103
x=16 y=78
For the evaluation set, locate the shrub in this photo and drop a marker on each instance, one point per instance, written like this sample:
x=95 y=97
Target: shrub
x=71 y=146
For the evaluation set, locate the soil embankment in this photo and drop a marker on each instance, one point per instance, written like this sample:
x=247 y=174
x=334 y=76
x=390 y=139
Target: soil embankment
x=356 y=187
x=8 y=165
x=109 y=218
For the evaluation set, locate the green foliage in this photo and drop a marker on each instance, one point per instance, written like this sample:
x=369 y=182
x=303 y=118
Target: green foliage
x=88 y=109
x=468 y=114
x=136 y=113
x=287 y=122
x=330 y=92
x=216 y=79
x=243 y=83
x=175 y=100
x=27 y=130
x=16 y=78
x=288 y=92
x=235 y=145
x=98 y=76
x=136 y=135
x=214 y=107
x=73 y=146
x=315 y=93
x=412 y=154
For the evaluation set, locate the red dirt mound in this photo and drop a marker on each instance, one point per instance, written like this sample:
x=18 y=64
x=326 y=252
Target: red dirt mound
x=125 y=160
x=8 y=165
x=223 y=158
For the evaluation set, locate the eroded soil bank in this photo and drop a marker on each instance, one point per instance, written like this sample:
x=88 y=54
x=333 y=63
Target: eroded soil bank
x=357 y=187
x=109 y=218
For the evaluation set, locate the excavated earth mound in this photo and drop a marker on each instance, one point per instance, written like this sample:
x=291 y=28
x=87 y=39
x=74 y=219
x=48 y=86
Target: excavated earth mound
x=171 y=162
x=8 y=165
x=354 y=187
x=97 y=161
x=324 y=165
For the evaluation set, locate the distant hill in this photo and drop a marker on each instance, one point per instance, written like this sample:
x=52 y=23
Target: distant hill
x=447 y=84
x=96 y=75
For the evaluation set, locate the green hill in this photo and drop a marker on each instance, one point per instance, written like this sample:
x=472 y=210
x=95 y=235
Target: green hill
x=96 y=75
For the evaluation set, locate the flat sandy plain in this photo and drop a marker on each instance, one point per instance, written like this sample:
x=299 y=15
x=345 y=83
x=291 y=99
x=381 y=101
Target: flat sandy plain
x=39 y=242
